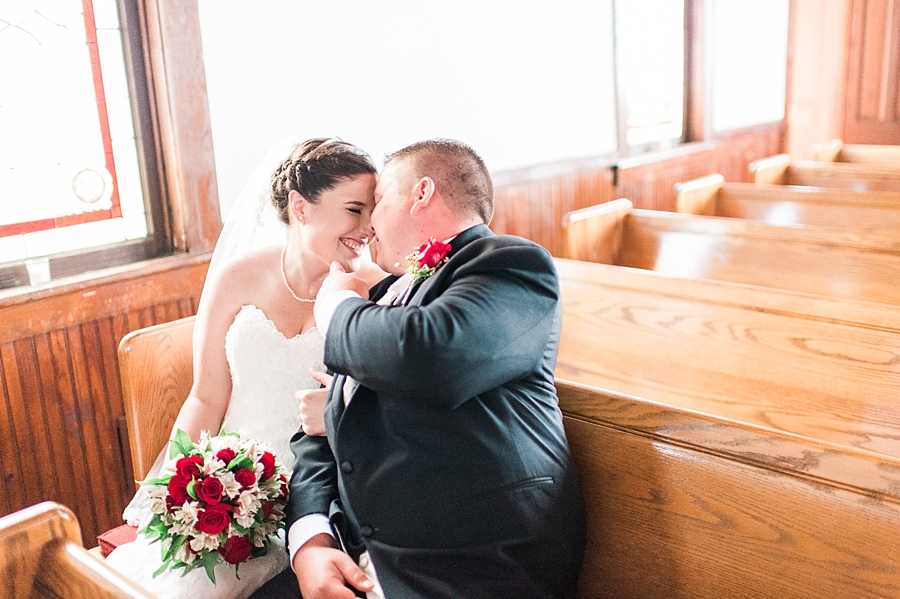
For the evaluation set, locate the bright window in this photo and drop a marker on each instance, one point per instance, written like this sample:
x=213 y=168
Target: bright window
x=650 y=71
x=69 y=174
x=748 y=44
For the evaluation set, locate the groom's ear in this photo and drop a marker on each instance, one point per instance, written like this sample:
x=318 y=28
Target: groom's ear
x=423 y=191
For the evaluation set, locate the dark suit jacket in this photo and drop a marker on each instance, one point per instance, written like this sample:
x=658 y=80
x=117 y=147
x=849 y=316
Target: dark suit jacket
x=451 y=457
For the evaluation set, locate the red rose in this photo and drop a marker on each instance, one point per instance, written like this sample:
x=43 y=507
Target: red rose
x=268 y=462
x=226 y=455
x=267 y=508
x=209 y=490
x=432 y=253
x=236 y=549
x=189 y=466
x=178 y=489
x=245 y=478
x=214 y=519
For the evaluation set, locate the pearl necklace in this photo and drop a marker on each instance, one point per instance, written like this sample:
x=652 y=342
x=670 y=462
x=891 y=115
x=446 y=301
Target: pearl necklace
x=288 y=285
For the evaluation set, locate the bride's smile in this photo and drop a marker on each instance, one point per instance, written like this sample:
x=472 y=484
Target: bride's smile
x=336 y=226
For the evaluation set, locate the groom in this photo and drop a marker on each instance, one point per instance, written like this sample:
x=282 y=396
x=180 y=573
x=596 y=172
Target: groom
x=445 y=448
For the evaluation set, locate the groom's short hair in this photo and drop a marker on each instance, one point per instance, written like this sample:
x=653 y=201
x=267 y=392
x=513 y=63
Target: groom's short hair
x=458 y=172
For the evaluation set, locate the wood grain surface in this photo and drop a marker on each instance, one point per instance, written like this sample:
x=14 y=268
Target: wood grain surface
x=801 y=364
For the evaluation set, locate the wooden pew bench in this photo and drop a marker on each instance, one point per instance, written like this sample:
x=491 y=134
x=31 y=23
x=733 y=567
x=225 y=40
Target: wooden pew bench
x=682 y=501
x=802 y=364
x=812 y=260
x=41 y=556
x=683 y=505
x=788 y=205
x=781 y=170
x=835 y=150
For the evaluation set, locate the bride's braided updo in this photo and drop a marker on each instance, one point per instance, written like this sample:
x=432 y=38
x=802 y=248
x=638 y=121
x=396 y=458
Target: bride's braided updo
x=317 y=165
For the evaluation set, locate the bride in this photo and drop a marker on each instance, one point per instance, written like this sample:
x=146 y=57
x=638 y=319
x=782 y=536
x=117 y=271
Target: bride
x=255 y=342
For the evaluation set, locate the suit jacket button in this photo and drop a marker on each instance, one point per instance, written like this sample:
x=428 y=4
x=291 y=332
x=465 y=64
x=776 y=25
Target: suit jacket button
x=366 y=531
x=347 y=467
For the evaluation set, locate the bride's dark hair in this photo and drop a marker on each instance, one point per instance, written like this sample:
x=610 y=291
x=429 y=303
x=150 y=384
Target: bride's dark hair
x=317 y=165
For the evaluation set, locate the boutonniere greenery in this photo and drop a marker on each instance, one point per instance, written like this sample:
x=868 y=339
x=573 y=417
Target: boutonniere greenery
x=427 y=258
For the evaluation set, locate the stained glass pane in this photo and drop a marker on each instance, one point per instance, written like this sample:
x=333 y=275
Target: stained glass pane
x=65 y=127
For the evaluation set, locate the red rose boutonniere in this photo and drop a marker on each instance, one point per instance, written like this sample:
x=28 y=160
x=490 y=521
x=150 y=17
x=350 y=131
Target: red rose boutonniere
x=427 y=258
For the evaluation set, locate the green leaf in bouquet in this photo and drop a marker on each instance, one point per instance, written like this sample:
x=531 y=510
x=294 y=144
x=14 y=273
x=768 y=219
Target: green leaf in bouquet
x=177 y=542
x=191 y=490
x=209 y=560
x=161 y=569
x=162 y=481
x=240 y=529
x=180 y=444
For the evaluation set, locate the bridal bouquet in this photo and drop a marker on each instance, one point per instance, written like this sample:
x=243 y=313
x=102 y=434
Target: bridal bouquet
x=225 y=499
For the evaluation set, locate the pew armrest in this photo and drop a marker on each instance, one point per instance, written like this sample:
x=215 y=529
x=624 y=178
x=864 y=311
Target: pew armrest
x=828 y=151
x=594 y=234
x=769 y=170
x=42 y=556
x=698 y=196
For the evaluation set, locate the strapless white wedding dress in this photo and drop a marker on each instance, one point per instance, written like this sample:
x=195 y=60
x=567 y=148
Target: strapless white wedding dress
x=266 y=370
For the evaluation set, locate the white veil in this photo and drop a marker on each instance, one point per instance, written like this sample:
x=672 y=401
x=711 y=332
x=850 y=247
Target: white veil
x=252 y=221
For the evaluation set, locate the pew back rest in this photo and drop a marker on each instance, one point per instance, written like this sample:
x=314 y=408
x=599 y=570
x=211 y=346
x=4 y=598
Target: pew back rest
x=812 y=260
x=699 y=196
x=594 y=233
x=781 y=170
x=41 y=556
x=694 y=518
x=835 y=150
x=156 y=369
x=790 y=205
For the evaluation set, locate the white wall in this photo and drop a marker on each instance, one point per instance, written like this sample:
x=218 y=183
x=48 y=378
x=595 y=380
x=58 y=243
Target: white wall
x=523 y=82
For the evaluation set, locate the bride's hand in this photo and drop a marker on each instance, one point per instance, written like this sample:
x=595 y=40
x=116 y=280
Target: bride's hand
x=312 y=405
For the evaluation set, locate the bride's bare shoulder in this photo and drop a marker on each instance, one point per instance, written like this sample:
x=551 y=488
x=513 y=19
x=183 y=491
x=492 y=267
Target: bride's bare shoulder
x=249 y=269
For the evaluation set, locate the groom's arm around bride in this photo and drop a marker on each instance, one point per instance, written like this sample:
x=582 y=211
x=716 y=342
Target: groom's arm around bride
x=446 y=448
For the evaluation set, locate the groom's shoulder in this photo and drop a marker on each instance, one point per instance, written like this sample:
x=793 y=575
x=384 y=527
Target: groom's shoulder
x=508 y=245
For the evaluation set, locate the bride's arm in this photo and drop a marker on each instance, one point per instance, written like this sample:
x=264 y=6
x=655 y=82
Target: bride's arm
x=207 y=402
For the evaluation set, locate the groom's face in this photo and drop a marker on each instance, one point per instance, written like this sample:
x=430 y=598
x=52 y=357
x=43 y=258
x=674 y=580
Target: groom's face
x=395 y=235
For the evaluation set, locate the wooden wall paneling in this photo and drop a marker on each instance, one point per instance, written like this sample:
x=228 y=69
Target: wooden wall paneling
x=96 y=406
x=11 y=479
x=25 y=476
x=64 y=433
x=649 y=181
x=61 y=391
x=736 y=152
x=31 y=405
x=532 y=202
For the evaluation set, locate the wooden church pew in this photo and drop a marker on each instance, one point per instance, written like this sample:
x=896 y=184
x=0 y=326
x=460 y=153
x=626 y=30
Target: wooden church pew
x=789 y=205
x=156 y=371
x=41 y=556
x=813 y=260
x=835 y=150
x=781 y=170
x=800 y=364
x=683 y=505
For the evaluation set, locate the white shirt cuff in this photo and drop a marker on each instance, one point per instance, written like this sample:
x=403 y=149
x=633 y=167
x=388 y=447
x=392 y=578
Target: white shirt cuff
x=304 y=529
x=325 y=307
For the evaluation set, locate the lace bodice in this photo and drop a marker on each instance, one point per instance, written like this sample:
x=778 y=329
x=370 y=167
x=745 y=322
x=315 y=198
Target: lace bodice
x=266 y=370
